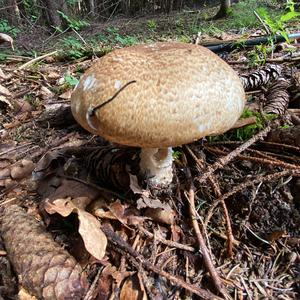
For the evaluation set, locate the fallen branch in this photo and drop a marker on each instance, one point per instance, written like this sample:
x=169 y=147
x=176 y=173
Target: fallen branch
x=204 y=251
x=169 y=243
x=268 y=161
x=216 y=188
x=221 y=162
x=121 y=246
x=29 y=63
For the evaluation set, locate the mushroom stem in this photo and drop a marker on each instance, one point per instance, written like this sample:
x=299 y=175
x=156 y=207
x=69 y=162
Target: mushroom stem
x=156 y=163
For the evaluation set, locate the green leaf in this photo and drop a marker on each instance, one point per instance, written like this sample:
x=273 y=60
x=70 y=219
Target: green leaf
x=290 y=15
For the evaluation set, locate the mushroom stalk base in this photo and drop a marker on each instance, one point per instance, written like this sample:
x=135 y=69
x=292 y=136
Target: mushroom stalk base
x=156 y=164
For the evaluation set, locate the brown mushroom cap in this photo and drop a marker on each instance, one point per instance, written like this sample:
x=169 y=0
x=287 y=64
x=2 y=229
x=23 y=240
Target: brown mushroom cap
x=182 y=92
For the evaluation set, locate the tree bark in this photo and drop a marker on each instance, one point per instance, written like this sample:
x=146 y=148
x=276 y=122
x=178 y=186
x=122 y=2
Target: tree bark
x=224 y=9
x=51 y=9
x=11 y=12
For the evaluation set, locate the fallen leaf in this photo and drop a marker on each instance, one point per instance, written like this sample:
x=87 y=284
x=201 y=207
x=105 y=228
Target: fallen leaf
x=4 y=91
x=6 y=38
x=45 y=93
x=94 y=239
x=131 y=290
x=161 y=215
x=53 y=75
x=66 y=95
x=144 y=202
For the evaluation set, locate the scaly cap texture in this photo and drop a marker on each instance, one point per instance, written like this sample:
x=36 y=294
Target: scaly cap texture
x=182 y=92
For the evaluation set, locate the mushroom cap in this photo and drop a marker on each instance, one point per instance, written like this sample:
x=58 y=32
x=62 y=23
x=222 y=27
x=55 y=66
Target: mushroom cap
x=182 y=92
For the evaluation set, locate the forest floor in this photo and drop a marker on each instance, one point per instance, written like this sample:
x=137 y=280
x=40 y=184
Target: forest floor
x=242 y=189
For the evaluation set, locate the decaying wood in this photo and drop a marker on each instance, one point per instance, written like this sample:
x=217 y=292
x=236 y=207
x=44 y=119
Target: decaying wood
x=44 y=268
x=56 y=116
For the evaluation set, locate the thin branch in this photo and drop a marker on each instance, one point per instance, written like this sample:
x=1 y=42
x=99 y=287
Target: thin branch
x=221 y=162
x=121 y=246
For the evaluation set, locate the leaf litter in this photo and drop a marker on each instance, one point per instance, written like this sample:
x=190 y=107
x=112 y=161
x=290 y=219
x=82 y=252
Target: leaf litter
x=228 y=228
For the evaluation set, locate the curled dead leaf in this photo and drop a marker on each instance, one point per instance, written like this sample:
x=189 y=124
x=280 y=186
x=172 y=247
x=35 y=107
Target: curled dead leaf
x=66 y=95
x=161 y=215
x=94 y=239
x=131 y=290
x=6 y=38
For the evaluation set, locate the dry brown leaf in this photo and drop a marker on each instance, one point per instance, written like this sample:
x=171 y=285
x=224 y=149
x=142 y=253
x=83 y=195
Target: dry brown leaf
x=6 y=38
x=45 y=93
x=4 y=91
x=144 y=202
x=66 y=95
x=64 y=207
x=53 y=75
x=131 y=290
x=161 y=215
x=94 y=239
x=89 y=227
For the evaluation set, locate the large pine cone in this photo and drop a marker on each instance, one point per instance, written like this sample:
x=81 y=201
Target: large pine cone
x=45 y=269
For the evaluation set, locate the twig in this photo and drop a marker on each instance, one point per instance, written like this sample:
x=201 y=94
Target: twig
x=90 y=293
x=270 y=161
x=206 y=258
x=246 y=184
x=169 y=243
x=217 y=191
x=262 y=22
x=278 y=145
x=15 y=149
x=139 y=259
x=221 y=162
x=36 y=60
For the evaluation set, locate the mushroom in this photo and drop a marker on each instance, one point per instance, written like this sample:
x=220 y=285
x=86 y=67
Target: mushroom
x=157 y=96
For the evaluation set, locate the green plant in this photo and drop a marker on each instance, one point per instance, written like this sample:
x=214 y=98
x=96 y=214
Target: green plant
x=114 y=36
x=73 y=47
x=152 y=25
x=5 y=27
x=70 y=80
x=277 y=25
x=259 y=54
x=176 y=154
x=74 y=23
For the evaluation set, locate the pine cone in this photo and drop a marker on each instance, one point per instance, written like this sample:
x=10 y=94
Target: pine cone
x=261 y=77
x=45 y=269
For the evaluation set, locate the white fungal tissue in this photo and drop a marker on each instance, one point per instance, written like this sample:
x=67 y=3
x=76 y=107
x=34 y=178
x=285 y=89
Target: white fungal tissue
x=89 y=82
